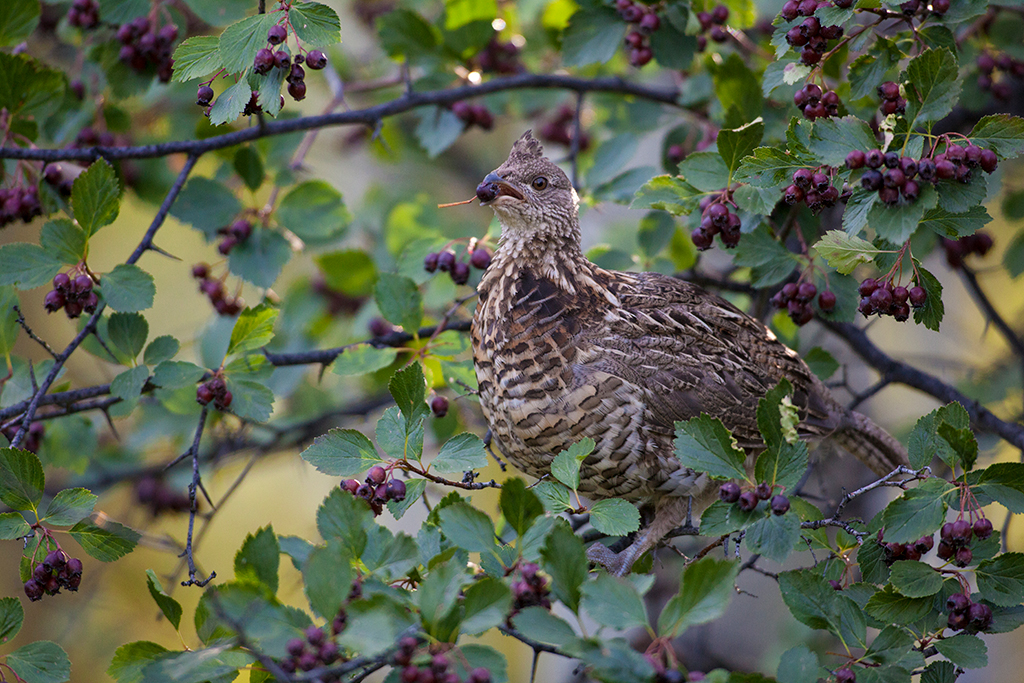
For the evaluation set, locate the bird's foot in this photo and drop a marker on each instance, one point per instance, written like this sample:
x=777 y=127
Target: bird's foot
x=617 y=563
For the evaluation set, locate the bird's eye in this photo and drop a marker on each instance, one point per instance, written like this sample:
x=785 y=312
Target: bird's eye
x=539 y=183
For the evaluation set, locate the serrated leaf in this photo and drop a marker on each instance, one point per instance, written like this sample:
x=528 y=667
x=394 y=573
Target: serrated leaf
x=1004 y=483
x=342 y=453
x=705 y=588
x=897 y=223
x=964 y=649
x=21 y=479
x=315 y=24
x=249 y=166
x=12 y=615
x=230 y=104
x=845 y=252
x=486 y=605
x=128 y=288
x=253 y=329
x=12 y=526
x=917 y=512
x=95 y=197
x=408 y=388
x=1001 y=580
x=771 y=167
x=314 y=210
x=593 y=35
x=1002 y=133
x=614 y=517
x=460 y=453
x=468 y=528
x=26 y=265
x=519 y=506
x=438 y=130
x=955 y=225
x=239 y=43
x=9 y=327
x=40 y=662
x=399 y=301
x=858 y=208
x=259 y=558
x=705 y=171
x=64 y=241
x=18 y=20
x=362 y=359
x=614 y=602
x=930 y=315
x=814 y=602
x=128 y=385
x=346 y=518
x=915 y=579
x=704 y=444
x=667 y=193
x=833 y=138
x=735 y=145
x=106 y=543
x=207 y=205
x=173 y=374
x=564 y=559
x=170 y=607
x=774 y=536
x=798 y=665
x=130 y=659
x=566 y=465
x=543 y=626
x=404 y=33
x=934 y=85
x=958 y=197
x=196 y=56
x=69 y=507
x=128 y=332
x=821 y=362
x=260 y=258
x=770 y=262
x=555 y=497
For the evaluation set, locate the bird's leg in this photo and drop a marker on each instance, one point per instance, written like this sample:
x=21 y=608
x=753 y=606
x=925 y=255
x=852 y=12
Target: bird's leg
x=670 y=513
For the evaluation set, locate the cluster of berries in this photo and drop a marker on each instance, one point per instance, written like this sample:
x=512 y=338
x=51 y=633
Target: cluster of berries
x=33 y=438
x=957 y=250
x=52 y=574
x=214 y=290
x=58 y=178
x=897 y=180
x=965 y=615
x=434 y=670
x=338 y=302
x=646 y=20
x=84 y=14
x=991 y=67
x=885 y=298
x=500 y=57
x=377 y=489
x=142 y=46
x=713 y=24
x=716 y=219
x=473 y=115
x=214 y=389
x=796 y=300
x=74 y=296
x=311 y=652
x=955 y=539
x=234 y=234
x=531 y=589
x=813 y=103
x=19 y=202
x=155 y=494
x=810 y=34
x=894 y=552
x=446 y=262
x=559 y=131
x=813 y=188
x=892 y=101
x=730 y=492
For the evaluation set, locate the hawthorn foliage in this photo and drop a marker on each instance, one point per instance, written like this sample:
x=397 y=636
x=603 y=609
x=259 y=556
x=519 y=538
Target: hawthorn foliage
x=830 y=147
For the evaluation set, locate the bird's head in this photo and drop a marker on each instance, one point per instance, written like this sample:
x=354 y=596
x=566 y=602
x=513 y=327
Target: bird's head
x=529 y=193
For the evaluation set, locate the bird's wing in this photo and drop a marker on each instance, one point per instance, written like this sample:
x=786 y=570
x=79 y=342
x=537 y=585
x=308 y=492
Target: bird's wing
x=692 y=352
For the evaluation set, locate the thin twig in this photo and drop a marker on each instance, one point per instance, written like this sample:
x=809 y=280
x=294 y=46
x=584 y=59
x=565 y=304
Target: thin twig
x=192 y=487
x=32 y=335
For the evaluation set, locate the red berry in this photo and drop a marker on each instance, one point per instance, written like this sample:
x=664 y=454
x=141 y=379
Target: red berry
x=806 y=291
x=277 y=34
x=376 y=475
x=297 y=89
x=316 y=60
x=988 y=160
x=982 y=528
x=827 y=301
x=480 y=259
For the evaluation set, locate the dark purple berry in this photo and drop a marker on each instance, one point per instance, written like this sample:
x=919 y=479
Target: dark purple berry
x=747 y=501
x=855 y=159
x=889 y=90
x=445 y=261
x=316 y=60
x=396 y=490
x=982 y=528
x=439 y=406
x=827 y=301
x=980 y=616
x=430 y=262
x=957 y=620
x=845 y=675
x=277 y=34
x=729 y=492
x=264 y=61
x=296 y=646
x=460 y=273
x=874 y=158
x=957 y=602
x=924 y=544
x=34 y=590
x=297 y=89
x=988 y=160
x=871 y=180
x=701 y=240
x=480 y=259
x=376 y=475
x=780 y=505
x=963 y=557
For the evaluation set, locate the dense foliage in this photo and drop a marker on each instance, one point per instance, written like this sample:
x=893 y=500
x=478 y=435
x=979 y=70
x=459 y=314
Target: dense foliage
x=830 y=146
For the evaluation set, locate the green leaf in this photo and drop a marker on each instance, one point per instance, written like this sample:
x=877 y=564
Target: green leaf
x=770 y=261
x=342 y=453
x=894 y=646
x=253 y=329
x=566 y=465
x=614 y=602
x=64 y=241
x=966 y=650
x=40 y=662
x=18 y=20
x=704 y=444
x=594 y=35
x=564 y=559
x=414 y=489
x=438 y=594
x=362 y=359
x=220 y=13
x=668 y=194
x=408 y=388
x=438 y=130
x=705 y=588
x=519 y=505
x=615 y=517
x=259 y=558
x=1003 y=482
x=128 y=385
x=230 y=104
x=868 y=70
x=260 y=258
x=12 y=615
x=399 y=301
x=798 y=665
x=95 y=197
x=812 y=601
x=9 y=327
x=958 y=197
x=389 y=556
x=1002 y=133
x=21 y=479
x=315 y=24
x=128 y=288
x=890 y=607
x=955 y=225
x=897 y=223
x=240 y=42
x=930 y=315
x=161 y=349
x=173 y=374
x=555 y=497
x=168 y=605
x=458 y=13
x=774 y=536
x=314 y=211
x=1001 y=580
x=130 y=659
x=106 y=543
x=734 y=145
x=962 y=442
x=705 y=171
x=468 y=528
x=346 y=518
x=917 y=512
x=399 y=438
x=544 y=626
x=939 y=672
x=858 y=208
x=128 y=333
x=1013 y=257
x=821 y=362
x=196 y=56
x=249 y=167
x=486 y=606
x=915 y=579
x=69 y=506
x=350 y=271
x=845 y=252
x=833 y=138
x=404 y=33
x=772 y=167
x=28 y=88
x=12 y=526
x=738 y=90
x=206 y=205
x=460 y=453
x=26 y=265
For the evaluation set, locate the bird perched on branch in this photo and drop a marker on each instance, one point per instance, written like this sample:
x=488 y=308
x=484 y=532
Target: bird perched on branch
x=564 y=350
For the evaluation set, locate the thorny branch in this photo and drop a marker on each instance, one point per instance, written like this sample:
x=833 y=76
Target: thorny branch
x=192 y=489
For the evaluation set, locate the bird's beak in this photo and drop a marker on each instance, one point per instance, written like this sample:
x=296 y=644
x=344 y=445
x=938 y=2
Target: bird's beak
x=493 y=187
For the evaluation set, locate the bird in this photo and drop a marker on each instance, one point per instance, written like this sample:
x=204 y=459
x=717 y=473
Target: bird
x=565 y=350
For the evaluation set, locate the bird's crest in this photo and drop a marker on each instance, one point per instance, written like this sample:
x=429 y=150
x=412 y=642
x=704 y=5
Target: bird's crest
x=526 y=148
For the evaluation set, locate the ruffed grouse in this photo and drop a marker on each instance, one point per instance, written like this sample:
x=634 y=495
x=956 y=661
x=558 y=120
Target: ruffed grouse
x=565 y=350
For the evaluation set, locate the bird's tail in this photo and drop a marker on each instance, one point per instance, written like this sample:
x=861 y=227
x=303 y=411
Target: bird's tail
x=870 y=444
